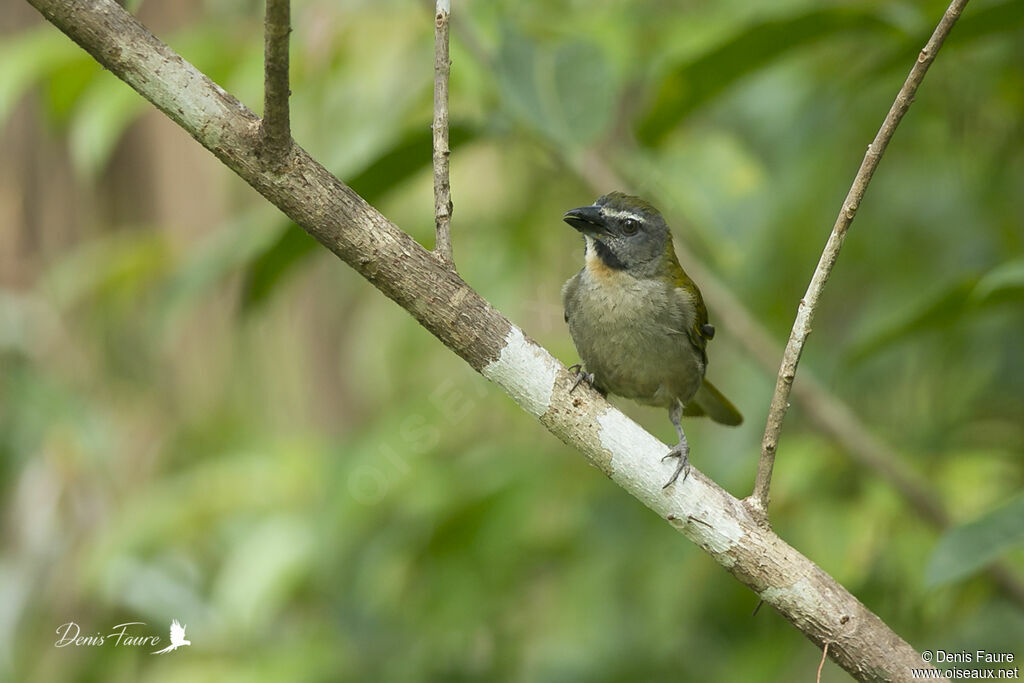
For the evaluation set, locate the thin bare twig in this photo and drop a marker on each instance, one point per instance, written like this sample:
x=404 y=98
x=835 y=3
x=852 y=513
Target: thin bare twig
x=444 y=304
x=442 y=185
x=833 y=416
x=827 y=411
x=758 y=500
x=275 y=127
x=821 y=664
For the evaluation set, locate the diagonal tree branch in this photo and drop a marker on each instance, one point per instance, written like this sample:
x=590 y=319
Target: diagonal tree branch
x=442 y=185
x=758 y=500
x=826 y=411
x=275 y=129
x=391 y=260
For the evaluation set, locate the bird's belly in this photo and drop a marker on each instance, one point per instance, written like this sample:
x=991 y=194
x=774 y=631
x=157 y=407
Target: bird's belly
x=655 y=371
x=634 y=352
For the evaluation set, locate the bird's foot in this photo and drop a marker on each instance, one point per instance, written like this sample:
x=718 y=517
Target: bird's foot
x=681 y=451
x=581 y=376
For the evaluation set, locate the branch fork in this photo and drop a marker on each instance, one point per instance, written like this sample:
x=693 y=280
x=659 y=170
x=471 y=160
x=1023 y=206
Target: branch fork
x=444 y=304
x=275 y=126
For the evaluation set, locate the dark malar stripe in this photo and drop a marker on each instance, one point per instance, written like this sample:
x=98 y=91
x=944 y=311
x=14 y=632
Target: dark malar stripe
x=607 y=257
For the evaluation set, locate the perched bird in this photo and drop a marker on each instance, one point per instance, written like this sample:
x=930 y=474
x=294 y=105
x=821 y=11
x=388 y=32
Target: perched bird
x=637 y=320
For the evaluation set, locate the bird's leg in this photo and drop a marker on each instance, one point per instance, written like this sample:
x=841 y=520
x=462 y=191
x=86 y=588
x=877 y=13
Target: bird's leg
x=681 y=449
x=581 y=376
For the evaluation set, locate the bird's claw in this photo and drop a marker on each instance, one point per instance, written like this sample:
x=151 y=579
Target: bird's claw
x=581 y=376
x=681 y=451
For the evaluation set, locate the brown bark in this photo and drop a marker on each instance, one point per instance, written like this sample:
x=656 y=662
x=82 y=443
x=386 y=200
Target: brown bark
x=343 y=222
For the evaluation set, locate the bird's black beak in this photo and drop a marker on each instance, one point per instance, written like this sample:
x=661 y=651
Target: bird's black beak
x=586 y=219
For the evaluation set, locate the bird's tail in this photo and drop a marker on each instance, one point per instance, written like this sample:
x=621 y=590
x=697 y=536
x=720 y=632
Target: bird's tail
x=710 y=401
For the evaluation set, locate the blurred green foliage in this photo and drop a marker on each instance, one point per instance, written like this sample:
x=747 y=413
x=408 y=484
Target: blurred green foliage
x=967 y=548
x=237 y=432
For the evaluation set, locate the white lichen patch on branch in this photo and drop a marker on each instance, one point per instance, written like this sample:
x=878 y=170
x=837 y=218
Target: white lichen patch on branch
x=343 y=222
x=635 y=461
x=637 y=467
x=526 y=371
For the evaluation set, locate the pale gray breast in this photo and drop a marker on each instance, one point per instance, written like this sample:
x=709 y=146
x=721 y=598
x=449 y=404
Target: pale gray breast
x=631 y=334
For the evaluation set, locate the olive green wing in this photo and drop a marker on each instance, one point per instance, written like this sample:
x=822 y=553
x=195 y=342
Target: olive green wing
x=689 y=299
x=708 y=400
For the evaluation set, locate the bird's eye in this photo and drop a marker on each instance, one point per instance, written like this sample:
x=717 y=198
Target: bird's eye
x=630 y=226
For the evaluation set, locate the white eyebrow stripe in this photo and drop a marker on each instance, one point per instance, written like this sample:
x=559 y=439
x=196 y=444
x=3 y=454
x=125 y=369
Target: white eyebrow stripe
x=618 y=213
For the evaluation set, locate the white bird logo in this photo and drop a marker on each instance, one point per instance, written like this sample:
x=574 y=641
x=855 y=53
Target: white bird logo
x=177 y=638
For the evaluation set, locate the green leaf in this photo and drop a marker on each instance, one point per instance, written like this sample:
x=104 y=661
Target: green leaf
x=410 y=153
x=103 y=113
x=946 y=308
x=261 y=568
x=66 y=84
x=980 y=22
x=30 y=56
x=964 y=550
x=408 y=156
x=291 y=248
x=1004 y=280
x=582 y=96
x=516 y=68
x=567 y=94
x=939 y=310
x=983 y=20
x=695 y=81
x=227 y=249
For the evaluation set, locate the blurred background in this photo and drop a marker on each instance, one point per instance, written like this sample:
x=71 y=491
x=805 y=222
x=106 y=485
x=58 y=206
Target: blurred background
x=206 y=417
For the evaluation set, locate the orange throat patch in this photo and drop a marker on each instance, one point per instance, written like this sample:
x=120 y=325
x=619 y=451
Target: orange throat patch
x=596 y=267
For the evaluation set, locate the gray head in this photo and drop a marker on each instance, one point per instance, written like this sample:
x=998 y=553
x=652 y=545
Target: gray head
x=627 y=232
